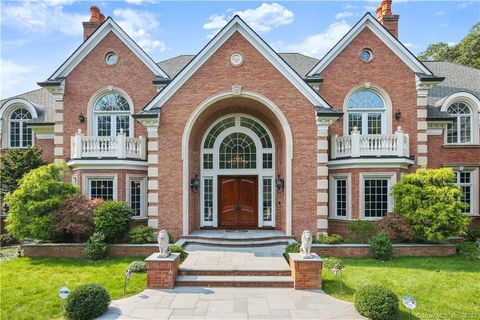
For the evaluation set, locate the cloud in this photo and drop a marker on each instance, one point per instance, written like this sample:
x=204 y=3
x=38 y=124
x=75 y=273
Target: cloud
x=318 y=44
x=262 y=19
x=139 y=2
x=140 y=25
x=42 y=17
x=343 y=15
x=12 y=75
x=440 y=13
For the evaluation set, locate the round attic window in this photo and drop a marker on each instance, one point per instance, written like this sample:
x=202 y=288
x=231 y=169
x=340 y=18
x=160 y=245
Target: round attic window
x=366 y=55
x=111 y=58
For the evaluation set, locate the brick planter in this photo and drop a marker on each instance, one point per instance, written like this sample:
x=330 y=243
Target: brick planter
x=306 y=273
x=162 y=272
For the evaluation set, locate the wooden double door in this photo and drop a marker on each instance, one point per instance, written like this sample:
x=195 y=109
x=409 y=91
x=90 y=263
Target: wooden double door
x=237 y=202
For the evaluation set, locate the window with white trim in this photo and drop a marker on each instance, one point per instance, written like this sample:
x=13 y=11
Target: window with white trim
x=101 y=189
x=366 y=112
x=340 y=208
x=467 y=181
x=112 y=115
x=376 y=198
x=20 y=136
x=460 y=130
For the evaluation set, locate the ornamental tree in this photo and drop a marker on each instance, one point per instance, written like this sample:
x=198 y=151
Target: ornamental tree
x=430 y=201
x=40 y=192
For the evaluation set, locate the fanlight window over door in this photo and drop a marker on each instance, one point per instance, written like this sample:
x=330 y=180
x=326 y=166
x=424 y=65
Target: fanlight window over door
x=112 y=115
x=366 y=112
x=238 y=151
x=20 y=134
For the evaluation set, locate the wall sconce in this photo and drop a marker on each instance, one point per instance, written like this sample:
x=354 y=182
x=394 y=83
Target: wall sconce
x=279 y=182
x=195 y=184
x=81 y=118
x=398 y=115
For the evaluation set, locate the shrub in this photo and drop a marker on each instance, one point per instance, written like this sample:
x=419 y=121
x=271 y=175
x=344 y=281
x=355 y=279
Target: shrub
x=96 y=247
x=381 y=246
x=142 y=234
x=473 y=234
x=86 y=302
x=396 y=227
x=377 y=303
x=291 y=248
x=333 y=238
x=75 y=215
x=111 y=218
x=178 y=249
x=137 y=267
x=361 y=231
x=41 y=191
x=330 y=263
x=431 y=203
x=7 y=239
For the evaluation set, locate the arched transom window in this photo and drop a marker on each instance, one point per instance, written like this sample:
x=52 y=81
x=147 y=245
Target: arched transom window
x=366 y=112
x=112 y=115
x=20 y=136
x=460 y=130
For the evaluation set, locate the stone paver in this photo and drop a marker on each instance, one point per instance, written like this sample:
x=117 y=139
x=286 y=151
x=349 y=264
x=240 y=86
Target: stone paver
x=230 y=303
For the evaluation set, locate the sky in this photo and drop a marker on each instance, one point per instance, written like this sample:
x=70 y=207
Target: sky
x=37 y=36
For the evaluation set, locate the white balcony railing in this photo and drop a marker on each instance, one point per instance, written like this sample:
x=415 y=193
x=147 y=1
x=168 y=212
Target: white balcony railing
x=358 y=145
x=121 y=147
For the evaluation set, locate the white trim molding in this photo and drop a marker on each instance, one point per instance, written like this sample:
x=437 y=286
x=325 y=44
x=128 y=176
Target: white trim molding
x=474 y=192
x=143 y=193
x=392 y=179
x=87 y=177
x=333 y=195
x=105 y=164
x=353 y=163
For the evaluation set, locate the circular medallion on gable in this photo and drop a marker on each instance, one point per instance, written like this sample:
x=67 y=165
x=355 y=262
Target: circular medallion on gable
x=236 y=59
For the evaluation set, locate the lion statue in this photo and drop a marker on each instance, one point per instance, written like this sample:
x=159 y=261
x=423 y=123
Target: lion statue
x=163 y=246
x=477 y=244
x=306 y=247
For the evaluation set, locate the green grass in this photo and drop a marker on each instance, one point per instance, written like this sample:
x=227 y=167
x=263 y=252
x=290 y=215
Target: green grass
x=443 y=287
x=29 y=287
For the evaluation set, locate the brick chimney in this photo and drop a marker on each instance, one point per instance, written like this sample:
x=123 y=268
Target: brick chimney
x=96 y=19
x=385 y=16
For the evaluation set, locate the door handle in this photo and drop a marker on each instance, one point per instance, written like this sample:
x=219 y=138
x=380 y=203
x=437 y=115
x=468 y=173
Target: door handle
x=237 y=207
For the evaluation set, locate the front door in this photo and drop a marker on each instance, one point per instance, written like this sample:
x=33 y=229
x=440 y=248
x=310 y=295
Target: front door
x=237 y=202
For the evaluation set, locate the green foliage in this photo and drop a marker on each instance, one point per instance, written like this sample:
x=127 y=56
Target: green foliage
x=96 y=247
x=331 y=239
x=111 y=218
x=178 y=249
x=40 y=192
x=361 y=231
x=466 y=52
x=381 y=246
x=332 y=262
x=291 y=248
x=396 y=227
x=429 y=200
x=13 y=166
x=86 y=302
x=141 y=234
x=377 y=302
x=7 y=239
x=137 y=267
x=473 y=234
x=469 y=250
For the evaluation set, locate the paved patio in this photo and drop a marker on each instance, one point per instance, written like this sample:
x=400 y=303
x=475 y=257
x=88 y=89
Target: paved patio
x=230 y=303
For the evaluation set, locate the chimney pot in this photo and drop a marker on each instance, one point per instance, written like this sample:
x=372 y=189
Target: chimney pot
x=386 y=18
x=96 y=18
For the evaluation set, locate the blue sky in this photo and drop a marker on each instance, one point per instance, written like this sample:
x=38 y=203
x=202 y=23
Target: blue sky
x=37 y=36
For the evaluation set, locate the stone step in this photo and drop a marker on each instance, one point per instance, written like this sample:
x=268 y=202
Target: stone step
x=237 y=238
x=210 y=272
x=234 y=281
x=240 y=243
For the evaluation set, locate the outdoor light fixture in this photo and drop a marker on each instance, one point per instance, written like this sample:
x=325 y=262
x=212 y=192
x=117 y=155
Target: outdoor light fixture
x=398 y=115
x=195 y=184
x=81 y=118
x=279 y=183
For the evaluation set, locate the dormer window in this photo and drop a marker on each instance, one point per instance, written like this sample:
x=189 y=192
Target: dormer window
x=112 y=115
x=20 y=136
x=460 y=130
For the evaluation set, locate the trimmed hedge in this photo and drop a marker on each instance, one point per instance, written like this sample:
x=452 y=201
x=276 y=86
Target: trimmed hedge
x=86 y=302
x=377 y=302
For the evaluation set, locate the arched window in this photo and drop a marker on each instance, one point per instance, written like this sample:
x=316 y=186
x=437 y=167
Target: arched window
x=20 y=135
x=460 y=130
x=112 y=115
x=238 y=151
x=366 y=112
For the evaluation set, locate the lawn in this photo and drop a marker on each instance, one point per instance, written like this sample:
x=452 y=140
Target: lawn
x=29 y=287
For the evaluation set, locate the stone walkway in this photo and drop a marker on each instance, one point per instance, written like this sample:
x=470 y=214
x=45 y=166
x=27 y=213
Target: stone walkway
x=230 y=303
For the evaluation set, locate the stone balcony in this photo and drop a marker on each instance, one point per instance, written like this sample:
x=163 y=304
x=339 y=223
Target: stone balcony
x=370 y=145
x=119 y=147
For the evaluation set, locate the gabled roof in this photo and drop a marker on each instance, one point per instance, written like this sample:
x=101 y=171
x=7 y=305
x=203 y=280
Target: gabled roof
x=368 y=21
x=109 y=25
x=236 y=24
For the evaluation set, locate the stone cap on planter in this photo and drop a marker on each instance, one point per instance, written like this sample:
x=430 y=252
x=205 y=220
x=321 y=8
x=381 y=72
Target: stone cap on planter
x=154 y=257
x=298 y=257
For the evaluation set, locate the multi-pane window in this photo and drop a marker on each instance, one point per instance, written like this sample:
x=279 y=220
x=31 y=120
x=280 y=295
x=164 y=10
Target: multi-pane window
x=460 y=130
x=208 y=161
x=267 y=200
x=258 y=129
x=238 y=151
x=267 y=161
x=208 y=199
x=112 y=114
x=375 y=197
x=366 y=112
x=101 y=189
x=340 y=197
x=216 y=130
x=136 y=197
x=465 y=182
x=20 y=134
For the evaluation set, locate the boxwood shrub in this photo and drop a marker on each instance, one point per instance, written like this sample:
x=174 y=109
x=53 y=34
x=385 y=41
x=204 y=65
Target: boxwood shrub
x=377 y=302
x=111 y=218
x=137 y=267
x=87 y=302
x=381 y=246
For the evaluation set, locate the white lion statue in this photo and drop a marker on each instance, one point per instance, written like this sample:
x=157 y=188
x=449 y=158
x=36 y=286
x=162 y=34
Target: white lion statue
x=477 y=244
x=306 y=247
x=163 y=246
